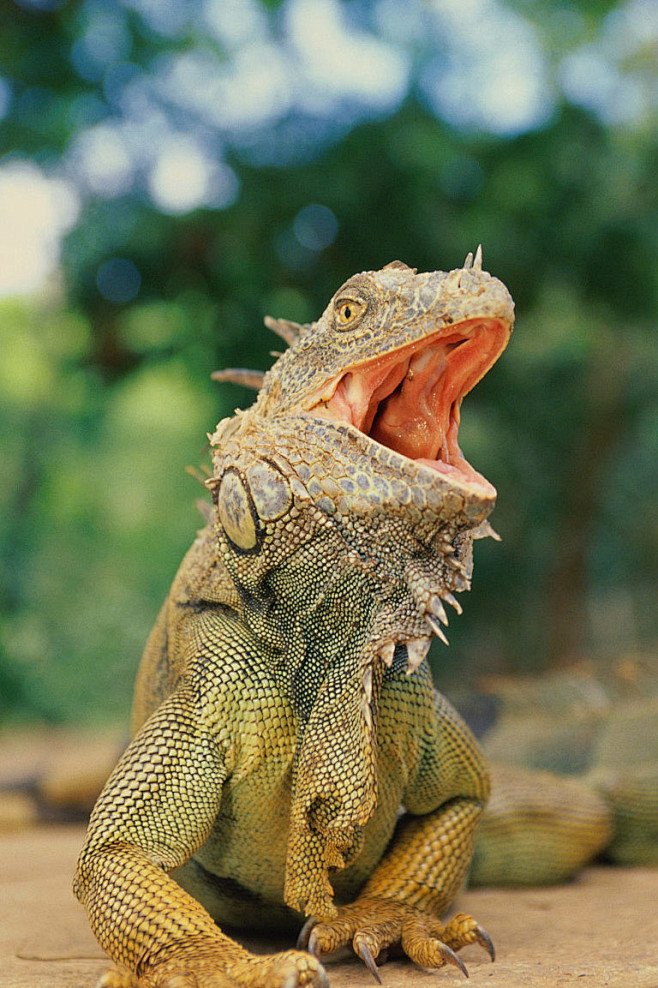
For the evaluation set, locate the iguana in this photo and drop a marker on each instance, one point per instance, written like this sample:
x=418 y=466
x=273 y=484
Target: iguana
x=284 y=709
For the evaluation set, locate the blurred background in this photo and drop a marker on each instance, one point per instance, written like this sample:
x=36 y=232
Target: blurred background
x=173 y=170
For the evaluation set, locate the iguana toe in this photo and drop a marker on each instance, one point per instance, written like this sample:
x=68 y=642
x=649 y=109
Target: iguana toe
x=463 y=930
x=432 y=952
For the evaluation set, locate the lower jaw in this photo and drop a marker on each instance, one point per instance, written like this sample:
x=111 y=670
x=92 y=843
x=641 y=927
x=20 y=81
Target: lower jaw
x=463 y=475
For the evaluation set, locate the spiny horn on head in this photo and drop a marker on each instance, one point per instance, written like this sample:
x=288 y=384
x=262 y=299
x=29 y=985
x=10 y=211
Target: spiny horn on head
x=474 y=262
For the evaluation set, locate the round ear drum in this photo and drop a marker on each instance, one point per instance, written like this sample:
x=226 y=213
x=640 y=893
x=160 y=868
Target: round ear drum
x=237 y=513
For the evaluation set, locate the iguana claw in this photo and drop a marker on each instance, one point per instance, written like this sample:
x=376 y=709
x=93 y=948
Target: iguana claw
x=305 y=933
x=365 y=953
x=450 y=957
x=312 y=945
x=484 y=940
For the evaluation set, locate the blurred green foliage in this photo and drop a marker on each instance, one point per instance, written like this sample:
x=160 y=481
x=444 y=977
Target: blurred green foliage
x=104 y=403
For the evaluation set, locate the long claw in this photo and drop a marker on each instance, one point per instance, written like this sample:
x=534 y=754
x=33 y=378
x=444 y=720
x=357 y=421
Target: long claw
x=451 y=957
x=485 y=941
x=324 y=978
x=364 y=952
x=312 y=945
x=305 y=932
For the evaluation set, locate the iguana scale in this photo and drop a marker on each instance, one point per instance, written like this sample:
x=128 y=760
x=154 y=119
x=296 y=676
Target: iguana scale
x=284 y=709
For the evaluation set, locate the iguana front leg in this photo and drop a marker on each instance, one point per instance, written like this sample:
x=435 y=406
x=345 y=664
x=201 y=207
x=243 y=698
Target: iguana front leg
x=425 y=865
x=157 y=808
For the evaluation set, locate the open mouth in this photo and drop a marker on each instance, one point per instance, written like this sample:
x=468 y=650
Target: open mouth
x=410 y=400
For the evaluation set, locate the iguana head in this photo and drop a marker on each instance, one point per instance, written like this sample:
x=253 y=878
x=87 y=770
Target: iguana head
x=393 y=355
x=357 y=425
x=345 y=515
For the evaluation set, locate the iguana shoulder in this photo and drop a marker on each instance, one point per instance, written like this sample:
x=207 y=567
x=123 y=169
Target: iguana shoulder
x=202 y=583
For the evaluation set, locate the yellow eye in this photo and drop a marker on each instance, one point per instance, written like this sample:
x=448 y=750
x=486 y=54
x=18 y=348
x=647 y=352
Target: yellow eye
x=347 y=311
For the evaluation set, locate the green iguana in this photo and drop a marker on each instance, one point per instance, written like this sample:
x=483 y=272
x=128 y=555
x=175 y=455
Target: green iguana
x=284 y=709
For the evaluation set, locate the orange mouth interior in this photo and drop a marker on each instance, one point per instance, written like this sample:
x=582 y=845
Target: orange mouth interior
x=410 y=399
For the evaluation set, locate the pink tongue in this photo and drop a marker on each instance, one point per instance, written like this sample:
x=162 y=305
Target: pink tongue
x=412 y=420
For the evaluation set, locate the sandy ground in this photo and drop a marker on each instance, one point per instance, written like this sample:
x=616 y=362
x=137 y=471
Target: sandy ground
x=600 y=931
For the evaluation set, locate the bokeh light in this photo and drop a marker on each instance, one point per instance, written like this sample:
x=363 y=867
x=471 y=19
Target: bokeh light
x=118 y=280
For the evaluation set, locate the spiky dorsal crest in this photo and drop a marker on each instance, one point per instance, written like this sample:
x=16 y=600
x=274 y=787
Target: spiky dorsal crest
x=286 y=328
x=240 y=375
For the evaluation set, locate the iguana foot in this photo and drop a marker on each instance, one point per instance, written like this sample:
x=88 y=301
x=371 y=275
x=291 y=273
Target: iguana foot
x=211 y=969
x=374 y=924
x=289 y=969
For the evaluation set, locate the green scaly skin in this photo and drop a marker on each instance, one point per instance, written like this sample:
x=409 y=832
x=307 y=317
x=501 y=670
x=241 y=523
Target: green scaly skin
x=284 y=709
x=574 y=759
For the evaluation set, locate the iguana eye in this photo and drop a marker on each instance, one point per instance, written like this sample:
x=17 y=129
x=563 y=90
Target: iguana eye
x=348 y=311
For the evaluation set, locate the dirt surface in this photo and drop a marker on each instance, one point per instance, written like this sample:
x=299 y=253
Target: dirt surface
x=600 y=931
